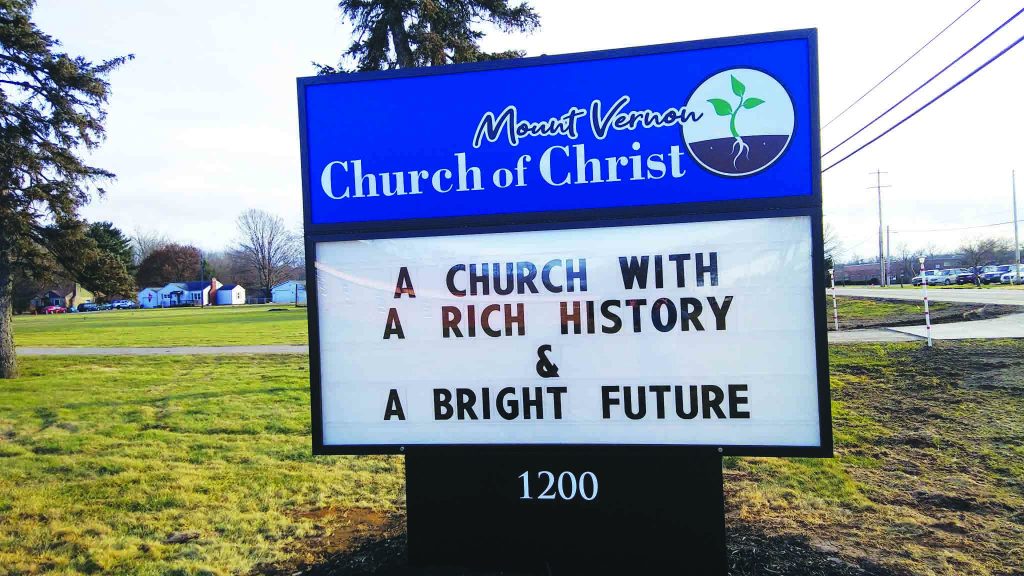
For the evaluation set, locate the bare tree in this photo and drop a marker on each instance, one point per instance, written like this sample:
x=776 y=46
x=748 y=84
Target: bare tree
x=266 y=248
x=145 y=243
x=980 y=252
x=907 y=262
x=833 y=246
x=231 y=268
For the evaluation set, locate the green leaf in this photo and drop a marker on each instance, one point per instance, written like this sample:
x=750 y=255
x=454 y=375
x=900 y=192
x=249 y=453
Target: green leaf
x=722 y=108
x=737 y=87
x=752 y=103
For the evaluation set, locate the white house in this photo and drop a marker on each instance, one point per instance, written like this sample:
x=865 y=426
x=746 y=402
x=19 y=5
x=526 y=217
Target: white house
x=172 y=294
x=230 y=294
x=288 y=292
x=188 y=293
x=149 y=297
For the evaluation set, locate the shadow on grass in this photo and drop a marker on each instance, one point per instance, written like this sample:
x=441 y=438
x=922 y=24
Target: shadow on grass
x=750 y=553
x=163 y=400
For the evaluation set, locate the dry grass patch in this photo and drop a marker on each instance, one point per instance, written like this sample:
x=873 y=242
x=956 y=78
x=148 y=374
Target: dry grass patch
x=928 y=477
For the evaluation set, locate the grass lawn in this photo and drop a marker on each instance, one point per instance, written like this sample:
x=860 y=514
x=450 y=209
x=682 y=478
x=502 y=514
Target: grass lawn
x=103 y=459
x=857 y=312
x=104 y=462
x=211 y=326
x=860 y=309
x=928 y=477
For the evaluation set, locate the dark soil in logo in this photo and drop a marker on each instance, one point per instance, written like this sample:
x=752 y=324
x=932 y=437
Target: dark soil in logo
x=725 y=156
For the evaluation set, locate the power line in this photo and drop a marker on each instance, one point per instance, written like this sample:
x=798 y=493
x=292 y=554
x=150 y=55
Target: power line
x=952 y=229
x=927 y=104
x=901 y=65
x=927 y=82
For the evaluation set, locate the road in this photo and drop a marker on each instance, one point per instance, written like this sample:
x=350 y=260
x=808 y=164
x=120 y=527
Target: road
x=870 y=335
x=965 y=295
x=1009 y=326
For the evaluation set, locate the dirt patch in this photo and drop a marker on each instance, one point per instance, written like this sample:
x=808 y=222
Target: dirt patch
x=949 y=312
x=750 y=553
x=983 y=365
x=339 y=533
x=756 y=554
x=946 y=501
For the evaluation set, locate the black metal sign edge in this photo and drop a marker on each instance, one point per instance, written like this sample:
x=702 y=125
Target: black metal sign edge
x=637 y=215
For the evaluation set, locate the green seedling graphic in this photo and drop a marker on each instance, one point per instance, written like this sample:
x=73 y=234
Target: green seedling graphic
x=723 y=108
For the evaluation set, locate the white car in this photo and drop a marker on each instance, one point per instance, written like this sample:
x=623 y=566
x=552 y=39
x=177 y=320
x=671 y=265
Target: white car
x=944 y=277
x=1013 y=276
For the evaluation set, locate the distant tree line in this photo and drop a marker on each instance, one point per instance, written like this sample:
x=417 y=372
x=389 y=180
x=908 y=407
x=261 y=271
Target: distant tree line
x=265 y=253
x=976 y=253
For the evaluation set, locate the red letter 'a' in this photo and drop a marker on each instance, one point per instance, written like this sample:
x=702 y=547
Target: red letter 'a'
x=394 y=325
x=404 y=285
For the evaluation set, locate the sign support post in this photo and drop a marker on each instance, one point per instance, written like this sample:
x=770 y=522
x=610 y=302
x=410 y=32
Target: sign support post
x=644 y=511
x=552 y=301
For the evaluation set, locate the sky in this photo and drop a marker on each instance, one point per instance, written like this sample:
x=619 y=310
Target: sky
x=203 y=122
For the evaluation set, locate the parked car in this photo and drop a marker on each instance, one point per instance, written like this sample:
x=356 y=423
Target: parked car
x=88 y=307
x=930 y=274
x=994 y=273
x=945 y=277
x=1013 y=276
x=54 y=310
x=123 y=304
x=107 y=306
x=967 y=275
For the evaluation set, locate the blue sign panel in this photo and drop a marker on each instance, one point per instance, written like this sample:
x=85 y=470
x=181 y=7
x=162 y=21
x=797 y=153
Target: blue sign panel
x=726 y=120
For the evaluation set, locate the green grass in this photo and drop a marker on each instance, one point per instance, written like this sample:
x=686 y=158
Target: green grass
x=103 y=458
x=212 y=326
x=870 y=310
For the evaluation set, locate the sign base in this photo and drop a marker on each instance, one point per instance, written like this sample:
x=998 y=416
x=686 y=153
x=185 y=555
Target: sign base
x=567 y=511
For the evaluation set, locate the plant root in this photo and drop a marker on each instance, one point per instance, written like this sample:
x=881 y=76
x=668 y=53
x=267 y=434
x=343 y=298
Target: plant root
x=739 y=147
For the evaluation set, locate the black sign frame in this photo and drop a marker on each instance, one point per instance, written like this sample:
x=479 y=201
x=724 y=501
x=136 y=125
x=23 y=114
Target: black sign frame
x=806 y=205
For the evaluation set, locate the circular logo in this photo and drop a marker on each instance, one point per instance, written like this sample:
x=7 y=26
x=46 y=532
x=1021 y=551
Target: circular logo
x=747 y=122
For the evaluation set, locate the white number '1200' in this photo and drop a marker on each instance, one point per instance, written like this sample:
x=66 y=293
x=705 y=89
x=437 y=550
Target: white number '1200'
x=565 y=487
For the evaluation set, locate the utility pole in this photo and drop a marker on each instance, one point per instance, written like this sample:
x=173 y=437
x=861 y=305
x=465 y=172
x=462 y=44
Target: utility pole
x=888 y=255
x=881 y=252
x=1016 y=237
